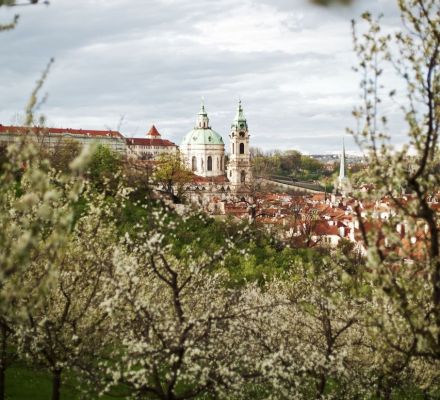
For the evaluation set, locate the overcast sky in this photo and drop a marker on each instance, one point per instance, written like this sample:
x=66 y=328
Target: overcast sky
x=152 y=61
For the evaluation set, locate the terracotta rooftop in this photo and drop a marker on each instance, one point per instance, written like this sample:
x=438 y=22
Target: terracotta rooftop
x=153 y=132
x=57 y=131
x=322 y=228
x=150 y=142
x=214 y=179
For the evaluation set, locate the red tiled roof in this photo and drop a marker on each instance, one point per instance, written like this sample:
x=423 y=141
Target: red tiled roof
x=322 y=228
x=318 y=197
x=213 y=179
x=153 y=132
x=57 y=131
x=150 y=142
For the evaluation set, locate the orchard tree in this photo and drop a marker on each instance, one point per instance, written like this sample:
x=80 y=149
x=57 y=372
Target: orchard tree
x=37 y=215
x=67 y=328
x=174 y=323
x=404 y=268
x=309 y=341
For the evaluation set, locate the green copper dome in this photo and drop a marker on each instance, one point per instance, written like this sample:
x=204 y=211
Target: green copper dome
x=202 y=136
x=202 y=132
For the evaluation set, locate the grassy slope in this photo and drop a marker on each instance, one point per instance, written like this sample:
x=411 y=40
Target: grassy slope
x=23 y=383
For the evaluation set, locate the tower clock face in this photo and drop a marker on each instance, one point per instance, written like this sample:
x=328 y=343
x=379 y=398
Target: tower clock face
x=241 y=134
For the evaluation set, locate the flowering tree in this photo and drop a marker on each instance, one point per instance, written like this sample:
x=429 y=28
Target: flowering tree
x=404 y=252
x=310 y=340
x=37 y=214
x=173 y=323
x=67 y=328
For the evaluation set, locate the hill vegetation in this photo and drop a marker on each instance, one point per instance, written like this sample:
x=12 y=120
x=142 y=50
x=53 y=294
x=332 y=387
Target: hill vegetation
x=290 y=163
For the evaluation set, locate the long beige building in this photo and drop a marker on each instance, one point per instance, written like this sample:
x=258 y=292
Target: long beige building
x=150 y=147
x=51 y=137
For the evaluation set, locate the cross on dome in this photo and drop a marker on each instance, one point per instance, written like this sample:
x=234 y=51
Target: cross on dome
x=202 y=117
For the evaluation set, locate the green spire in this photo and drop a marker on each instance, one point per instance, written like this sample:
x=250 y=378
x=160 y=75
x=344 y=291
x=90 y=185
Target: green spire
x=240 y=119
x=240 y=114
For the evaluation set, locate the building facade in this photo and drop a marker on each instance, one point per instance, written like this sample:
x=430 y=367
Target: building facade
x=53 y=137
x=203 y=149
x=239 y=171
x=150 y=147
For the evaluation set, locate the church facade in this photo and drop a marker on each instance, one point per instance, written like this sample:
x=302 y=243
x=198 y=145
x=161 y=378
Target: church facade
x=239 y=167
x=203 y=151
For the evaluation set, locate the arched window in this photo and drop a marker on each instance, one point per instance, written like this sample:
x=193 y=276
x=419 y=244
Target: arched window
x=241 y=148
x=243 y=177
x=194 y=163
x=209 y=163
x=218 y=163
x=233 y=148
x=221 y=163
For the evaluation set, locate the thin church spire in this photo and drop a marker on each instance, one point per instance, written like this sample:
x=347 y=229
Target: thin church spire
x=342 y=167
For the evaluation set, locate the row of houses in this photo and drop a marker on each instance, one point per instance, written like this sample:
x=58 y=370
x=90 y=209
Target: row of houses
x=146 y=148
x=326 y=220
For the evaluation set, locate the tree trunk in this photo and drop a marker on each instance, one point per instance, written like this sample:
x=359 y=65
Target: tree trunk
x=378 y=388
x=3 y=360
x=2 y=381
x=56 y=384
x=321 y=386
x=387 y=393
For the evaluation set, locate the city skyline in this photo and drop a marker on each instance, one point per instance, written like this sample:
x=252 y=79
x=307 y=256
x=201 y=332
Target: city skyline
x=289 y=62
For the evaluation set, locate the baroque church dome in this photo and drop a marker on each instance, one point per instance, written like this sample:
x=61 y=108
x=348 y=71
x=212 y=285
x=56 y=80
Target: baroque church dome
x=202 y=134
x=203 y=149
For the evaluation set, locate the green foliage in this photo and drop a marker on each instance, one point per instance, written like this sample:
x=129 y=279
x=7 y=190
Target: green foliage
x=104 y=168
x=290 y=163
x=256 y=257
x=29 y=382
x=172 y=173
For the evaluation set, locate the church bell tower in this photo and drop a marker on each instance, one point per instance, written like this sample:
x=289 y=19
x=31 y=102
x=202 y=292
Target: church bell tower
x=239 y=167
x=343 y=183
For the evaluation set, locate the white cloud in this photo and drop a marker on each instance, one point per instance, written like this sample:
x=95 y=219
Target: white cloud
x=152 y=61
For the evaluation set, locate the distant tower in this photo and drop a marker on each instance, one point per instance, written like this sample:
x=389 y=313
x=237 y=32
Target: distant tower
x=239 y=167
x=343 y=183
x=153 y=133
